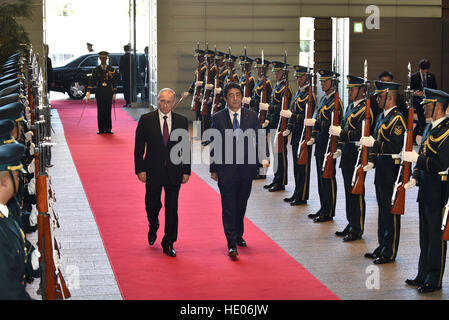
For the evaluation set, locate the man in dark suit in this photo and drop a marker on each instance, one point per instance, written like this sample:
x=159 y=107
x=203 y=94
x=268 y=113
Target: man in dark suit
x=126 y=68
x=420 y=80
x=237 y=127
x=159 y=167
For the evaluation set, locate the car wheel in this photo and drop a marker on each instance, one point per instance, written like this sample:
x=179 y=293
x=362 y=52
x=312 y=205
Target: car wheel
x=77 y=89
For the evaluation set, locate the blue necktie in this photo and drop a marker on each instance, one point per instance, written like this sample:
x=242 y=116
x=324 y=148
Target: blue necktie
x=235 y=123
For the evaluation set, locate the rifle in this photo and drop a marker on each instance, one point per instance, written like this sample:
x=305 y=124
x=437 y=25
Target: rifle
x=358 y=178
x=263 y=93
x=303 y=152
x=230 y=67
x=445 y=224
x=206 y=94
x=283 y=121
x=398 y=199
x=329 y=164
x=246 y=89
x=216 y=101
x=196 y=92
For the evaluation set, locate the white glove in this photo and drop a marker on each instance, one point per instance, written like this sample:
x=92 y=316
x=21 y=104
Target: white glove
x=33 y=217
x=246 y=100
x=209 y=86
x=264 y=106
x=396 y=156
x=28 y=117
x=31 y=167
x=311 y=141
x=32 y=146
x=337 y=154
x=199 y=84
x=27 y=110
x=29 y=136
x=367 y=141
x=309 y=122
x=286 y=132
x=265 y=124
x=410 y=156
x=217 y=91
x=35 y=259
x=286 y=114
x=410 y=184
x=29 y=125
x=335 y=130
x=368 y=167
x=32 y=186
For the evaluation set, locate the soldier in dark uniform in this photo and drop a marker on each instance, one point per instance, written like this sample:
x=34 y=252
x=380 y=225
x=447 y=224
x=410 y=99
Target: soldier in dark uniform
x=296 y=125
x=430 y=174
x=349 y=132
x=198 y=80
x=386 y=143
x=246 y=64
x=104 y=78
x=205 y=115
x=230 y=67
x=327 y=188
x=274 y=114
x=13 y=252
x=222 y=72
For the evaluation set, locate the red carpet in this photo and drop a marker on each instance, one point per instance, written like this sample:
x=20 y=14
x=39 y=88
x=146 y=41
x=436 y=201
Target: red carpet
x=202 y=269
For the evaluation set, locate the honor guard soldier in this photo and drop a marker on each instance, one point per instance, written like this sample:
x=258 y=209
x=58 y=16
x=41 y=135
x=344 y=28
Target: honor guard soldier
x=274 y=114
x=208 y=92
x=248 y=89
x=104 y=78
x=321 y=121
x=349 y=133
x=15 y=260
x=231 y=75
x=386 y=144
x=222 y=72
x=430 y=174
x=296 y=126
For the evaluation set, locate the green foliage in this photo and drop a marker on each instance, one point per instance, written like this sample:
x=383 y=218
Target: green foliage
x=12 y=34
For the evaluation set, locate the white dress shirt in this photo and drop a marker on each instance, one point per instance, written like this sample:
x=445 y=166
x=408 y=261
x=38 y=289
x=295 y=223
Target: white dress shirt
x=161 y=121
x=4 y=210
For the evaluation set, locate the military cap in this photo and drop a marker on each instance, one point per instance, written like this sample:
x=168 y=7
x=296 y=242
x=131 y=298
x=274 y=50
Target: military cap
x=327 y=74
x=10 y=82
x=259 y=62
x=16 y=88
x=300 y=70
x=12 y=75
x=248 y=60
x=219 y=55
x=382 y=86
x=103 y=53
x=198 y=52
x=433 y=96
x=277 y=66
x=228 y=57
x=13 y=111
x=10 y=98
x=209 y=53
x=10 y=157
x=354 y=81
x=6 y=127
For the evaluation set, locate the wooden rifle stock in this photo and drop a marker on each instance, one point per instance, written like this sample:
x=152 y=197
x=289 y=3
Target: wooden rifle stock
x=283 y=120
x=359 y=185
x=246 y=89
x=329 y=167
x=445 y=234
x=263 y=113
x=399 y=200
x=216 y=101
x=206 y=93
x=303 y=158
x=196 y=93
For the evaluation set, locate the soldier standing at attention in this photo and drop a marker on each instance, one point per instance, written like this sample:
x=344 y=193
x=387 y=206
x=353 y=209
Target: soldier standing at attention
x=104 y=78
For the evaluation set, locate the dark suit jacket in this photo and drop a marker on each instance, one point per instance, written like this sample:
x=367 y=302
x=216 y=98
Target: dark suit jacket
x=248 y=169
x=416 y=84
x=150 y=153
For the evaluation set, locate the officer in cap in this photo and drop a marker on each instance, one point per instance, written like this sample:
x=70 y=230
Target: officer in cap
x=349 y=133
x=246 y=64
x=296 y=125
x=104 y=78
x=274 y=114
x=430 y=174
x=198 y=80
x=231 y=75
x=210 y=72
x=321 y=121
x=222 y=72
x=386 y=144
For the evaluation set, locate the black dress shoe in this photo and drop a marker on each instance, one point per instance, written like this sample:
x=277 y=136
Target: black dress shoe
x=109 y=132
x=341 y=233
x=169 y=251
x=100 y=132
x=322 y=219
x=298 y=202
x=314 y=215
x=233 y=252
x=370 y=255
x=241 y=242
x=151 y=237
x=351 y=237
x=268 y=186
x=428 y=288
x=290 y=199
x=276 y=187
x=414 y=282
x=382 y=260
x=260 y=177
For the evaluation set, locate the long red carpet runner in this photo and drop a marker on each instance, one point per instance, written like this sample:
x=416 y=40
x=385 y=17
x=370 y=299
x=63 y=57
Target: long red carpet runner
x=202 y=270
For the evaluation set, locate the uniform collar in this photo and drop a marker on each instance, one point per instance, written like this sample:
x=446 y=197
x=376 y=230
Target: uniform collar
x=4 y=210
x=386 y=112
x=303 y=88
x=329 y=95
x=437 y=122
x=356 y=103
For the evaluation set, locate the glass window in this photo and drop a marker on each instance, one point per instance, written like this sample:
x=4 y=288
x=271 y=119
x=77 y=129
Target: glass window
x=92 y=61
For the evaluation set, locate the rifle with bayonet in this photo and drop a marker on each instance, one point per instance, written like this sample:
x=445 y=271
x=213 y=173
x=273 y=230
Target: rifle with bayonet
x=398 y=199
x=247 y=88
x=329 y=163
x=303 y=152
x=445 y=224
x=217 y=97
x=196 y=92
x=263 y=93
x=206 y=92
x=358 y=178
x=285 y=106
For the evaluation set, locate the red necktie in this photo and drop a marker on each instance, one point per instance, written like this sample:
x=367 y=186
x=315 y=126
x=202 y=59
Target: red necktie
x=165 y=134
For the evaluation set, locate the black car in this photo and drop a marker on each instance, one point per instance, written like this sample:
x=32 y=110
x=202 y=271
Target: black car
x=73 y=78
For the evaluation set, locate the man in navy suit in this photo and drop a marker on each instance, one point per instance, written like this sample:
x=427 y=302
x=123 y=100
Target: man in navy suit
x=233 y=167
x=420 y=80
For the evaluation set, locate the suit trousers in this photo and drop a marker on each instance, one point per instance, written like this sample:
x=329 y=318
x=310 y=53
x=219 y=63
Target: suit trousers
x=327 y=189
x=104 y=106
x=153 y=205
x=301 y=173
x=234 y=199
x=355 y=204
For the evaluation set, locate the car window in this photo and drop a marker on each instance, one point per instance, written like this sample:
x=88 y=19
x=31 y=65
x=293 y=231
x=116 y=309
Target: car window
x=92 y=61
x=114 y=60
